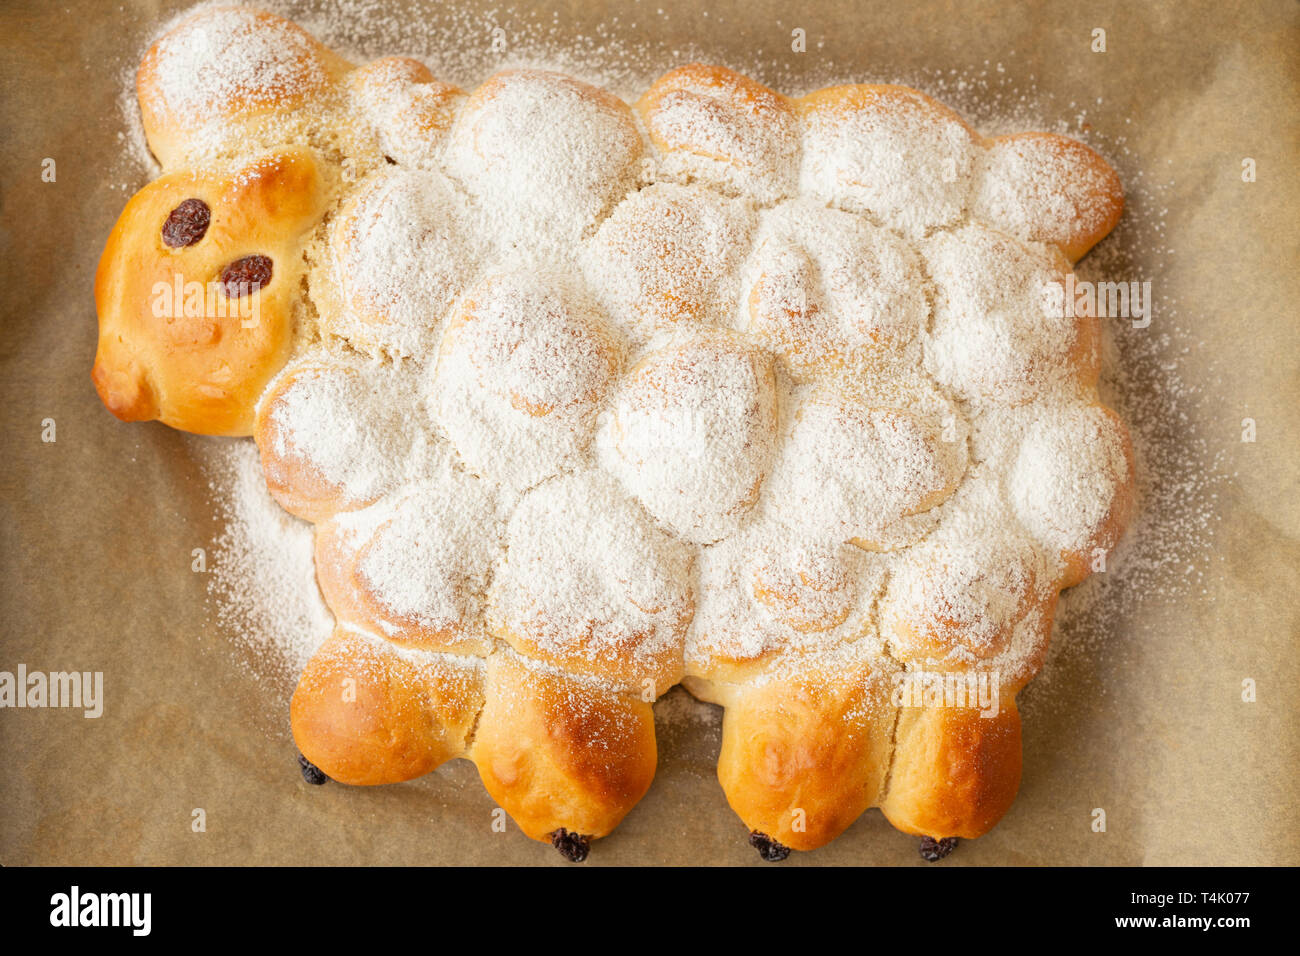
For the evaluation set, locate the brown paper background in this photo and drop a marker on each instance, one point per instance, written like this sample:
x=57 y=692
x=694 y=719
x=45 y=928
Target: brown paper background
x=1140 y=710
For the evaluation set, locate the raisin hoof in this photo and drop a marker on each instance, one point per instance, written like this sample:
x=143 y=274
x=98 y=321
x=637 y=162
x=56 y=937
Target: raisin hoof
x=932 y=850
x=310 y=772
x=769 y=849
x=574 y=847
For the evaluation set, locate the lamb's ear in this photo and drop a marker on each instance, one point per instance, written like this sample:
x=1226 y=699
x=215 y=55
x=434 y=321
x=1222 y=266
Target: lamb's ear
x=1048 y=188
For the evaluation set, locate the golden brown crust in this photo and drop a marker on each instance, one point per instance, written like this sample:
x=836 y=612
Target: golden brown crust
x=955 y=772
x=803 y=757
x=173 y=345
x=556 y=752
x=724 y=668
x=366 y=714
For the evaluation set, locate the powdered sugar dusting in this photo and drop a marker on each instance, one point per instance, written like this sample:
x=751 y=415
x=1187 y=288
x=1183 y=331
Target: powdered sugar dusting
x=692 y=433
x=230 y=54
x=826 y=289
x=342 y=426
x=892 y=154
x=588 y=576
x=725 y=130
x=770 y=589
x=263 y=576
x=430 y=560
x=1039 y=188
x=850 y=470
x=669 y=254
x=546 y=156
x=401 y=253
x=1064 y=478
x=521 y=375
x=994 y=338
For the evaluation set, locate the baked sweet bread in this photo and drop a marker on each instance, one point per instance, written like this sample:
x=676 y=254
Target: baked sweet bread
x=198 y=290
x=757 y=394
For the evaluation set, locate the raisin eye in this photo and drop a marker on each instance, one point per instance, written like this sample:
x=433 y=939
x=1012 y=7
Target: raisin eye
x=186 y=224
x=245 y=276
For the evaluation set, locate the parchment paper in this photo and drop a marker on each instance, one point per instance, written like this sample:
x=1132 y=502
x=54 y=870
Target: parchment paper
x=1140 y=710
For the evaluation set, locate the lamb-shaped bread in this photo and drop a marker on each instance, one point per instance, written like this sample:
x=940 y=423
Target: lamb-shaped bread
x=763 y=395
